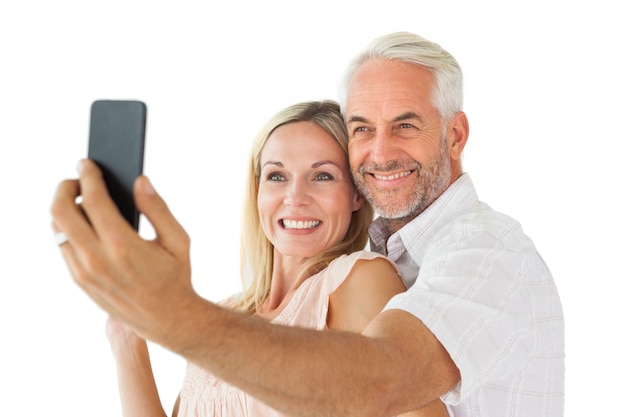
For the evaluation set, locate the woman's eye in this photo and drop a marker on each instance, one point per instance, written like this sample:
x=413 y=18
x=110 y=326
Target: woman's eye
x=323 y=176
x=274 y=176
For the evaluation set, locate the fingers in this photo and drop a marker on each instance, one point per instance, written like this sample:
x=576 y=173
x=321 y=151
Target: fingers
x=97 y=233
x=103 y=221
x=84 y=224
x=68 y=217
x=170 y=234
x=102 y=212
x=127 y=276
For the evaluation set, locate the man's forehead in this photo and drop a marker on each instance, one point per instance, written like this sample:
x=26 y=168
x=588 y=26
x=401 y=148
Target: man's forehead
x=388 y=87
x=375 y=73
x=390 y=106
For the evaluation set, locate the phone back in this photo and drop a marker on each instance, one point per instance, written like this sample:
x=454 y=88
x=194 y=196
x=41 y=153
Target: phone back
x=116 y=144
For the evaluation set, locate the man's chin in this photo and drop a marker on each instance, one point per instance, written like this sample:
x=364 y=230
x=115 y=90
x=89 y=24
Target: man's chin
x=394 y=213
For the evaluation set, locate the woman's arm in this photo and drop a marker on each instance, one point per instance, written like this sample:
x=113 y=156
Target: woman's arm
x=137 y=387
x=361 y=297
x=363 y=294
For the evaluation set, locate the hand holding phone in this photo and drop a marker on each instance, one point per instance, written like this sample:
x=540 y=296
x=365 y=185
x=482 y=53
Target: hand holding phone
x=116 y=143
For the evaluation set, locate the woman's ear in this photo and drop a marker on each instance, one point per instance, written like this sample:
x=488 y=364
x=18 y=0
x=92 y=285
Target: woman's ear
x=357 y=201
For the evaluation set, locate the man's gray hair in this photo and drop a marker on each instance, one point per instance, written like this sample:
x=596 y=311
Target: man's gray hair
x=407 y=47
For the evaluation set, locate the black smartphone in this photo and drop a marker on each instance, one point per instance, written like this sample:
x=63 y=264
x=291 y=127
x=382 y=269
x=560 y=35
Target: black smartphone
x=117 y=134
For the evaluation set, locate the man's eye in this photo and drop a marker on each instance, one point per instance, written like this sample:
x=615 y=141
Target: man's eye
x=406 y=126
x=360 y=132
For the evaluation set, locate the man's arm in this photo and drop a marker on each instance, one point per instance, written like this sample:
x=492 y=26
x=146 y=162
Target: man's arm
x=395 y=365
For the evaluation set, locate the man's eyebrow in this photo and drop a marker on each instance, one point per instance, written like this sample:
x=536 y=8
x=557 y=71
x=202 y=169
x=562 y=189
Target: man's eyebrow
x=407 y=116
x=357 y=119
x=404 y=116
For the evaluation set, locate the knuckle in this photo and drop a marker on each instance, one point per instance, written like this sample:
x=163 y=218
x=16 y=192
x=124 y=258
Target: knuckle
x=90 y=203
x=55 y=210
x=95 y=266
x=58 y=209
x=120 y=252
x=185 y=240
x=83 y=278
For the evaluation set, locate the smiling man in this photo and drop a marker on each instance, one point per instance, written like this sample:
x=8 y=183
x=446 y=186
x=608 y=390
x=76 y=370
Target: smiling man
x=401 y=152
x=476 y=281
x=480 y=327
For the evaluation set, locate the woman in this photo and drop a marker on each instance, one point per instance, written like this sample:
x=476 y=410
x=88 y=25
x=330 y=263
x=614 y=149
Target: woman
x=304 y=226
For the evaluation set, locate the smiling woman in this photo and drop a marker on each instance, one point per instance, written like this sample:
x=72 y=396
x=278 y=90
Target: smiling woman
x=296 y=154
x=306 y=197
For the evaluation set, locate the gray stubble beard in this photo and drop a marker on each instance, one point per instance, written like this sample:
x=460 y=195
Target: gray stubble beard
x=432 y=181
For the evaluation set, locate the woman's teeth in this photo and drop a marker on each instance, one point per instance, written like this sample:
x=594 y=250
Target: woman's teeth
x=300 y=224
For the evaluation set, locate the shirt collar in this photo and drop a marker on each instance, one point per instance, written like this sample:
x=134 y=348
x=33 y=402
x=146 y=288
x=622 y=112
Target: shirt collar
x=416 y=235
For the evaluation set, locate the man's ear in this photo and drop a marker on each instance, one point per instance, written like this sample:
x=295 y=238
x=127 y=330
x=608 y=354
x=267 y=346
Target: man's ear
x=458 y=132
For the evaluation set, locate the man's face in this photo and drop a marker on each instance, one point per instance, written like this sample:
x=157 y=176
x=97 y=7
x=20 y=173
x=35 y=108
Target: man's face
x=398 y=153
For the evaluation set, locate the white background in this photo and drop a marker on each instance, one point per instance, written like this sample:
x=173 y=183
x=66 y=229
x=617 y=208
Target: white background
x=545 y=90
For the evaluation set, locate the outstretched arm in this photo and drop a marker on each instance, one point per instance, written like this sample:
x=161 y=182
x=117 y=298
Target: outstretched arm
x=395 y=365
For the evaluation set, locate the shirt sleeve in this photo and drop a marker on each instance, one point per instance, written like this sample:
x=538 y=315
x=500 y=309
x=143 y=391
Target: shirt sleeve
x=471 y=293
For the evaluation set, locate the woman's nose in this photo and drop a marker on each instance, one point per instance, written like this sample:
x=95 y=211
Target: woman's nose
x=297 y=193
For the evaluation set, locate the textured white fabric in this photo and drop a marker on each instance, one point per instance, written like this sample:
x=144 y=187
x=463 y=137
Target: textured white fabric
x=481 y=287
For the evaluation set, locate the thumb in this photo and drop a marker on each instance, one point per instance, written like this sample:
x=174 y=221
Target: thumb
x=170 y=234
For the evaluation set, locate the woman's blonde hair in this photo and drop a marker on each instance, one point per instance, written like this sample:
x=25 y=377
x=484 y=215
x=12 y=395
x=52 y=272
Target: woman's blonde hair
x=257 y=253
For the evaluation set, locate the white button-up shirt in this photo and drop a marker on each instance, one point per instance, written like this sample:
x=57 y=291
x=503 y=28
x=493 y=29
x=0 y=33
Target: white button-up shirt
x=479 y=284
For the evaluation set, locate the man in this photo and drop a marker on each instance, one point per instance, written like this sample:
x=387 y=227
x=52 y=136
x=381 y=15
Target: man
x=480 y=327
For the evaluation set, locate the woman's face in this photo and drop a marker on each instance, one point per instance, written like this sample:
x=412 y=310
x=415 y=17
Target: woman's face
x=306 y=197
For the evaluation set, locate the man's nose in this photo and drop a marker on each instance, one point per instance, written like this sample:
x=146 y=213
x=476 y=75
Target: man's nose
x=383 y=148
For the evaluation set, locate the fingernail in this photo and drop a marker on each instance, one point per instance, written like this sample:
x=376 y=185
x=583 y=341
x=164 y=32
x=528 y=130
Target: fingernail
x=80 y=166
x=148 y=188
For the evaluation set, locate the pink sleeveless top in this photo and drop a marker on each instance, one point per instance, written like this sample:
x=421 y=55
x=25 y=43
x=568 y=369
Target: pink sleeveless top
x=203 y=395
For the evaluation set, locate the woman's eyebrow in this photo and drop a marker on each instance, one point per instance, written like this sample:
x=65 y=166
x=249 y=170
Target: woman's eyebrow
x=320 y=163
x=277 y=163
x=313 y=165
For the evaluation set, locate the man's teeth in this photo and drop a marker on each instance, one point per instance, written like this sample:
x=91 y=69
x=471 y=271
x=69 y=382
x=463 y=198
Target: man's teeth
x=391 y=177
x=300 y=224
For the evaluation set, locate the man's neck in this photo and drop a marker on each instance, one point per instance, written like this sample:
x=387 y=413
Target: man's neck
x=393 y=225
